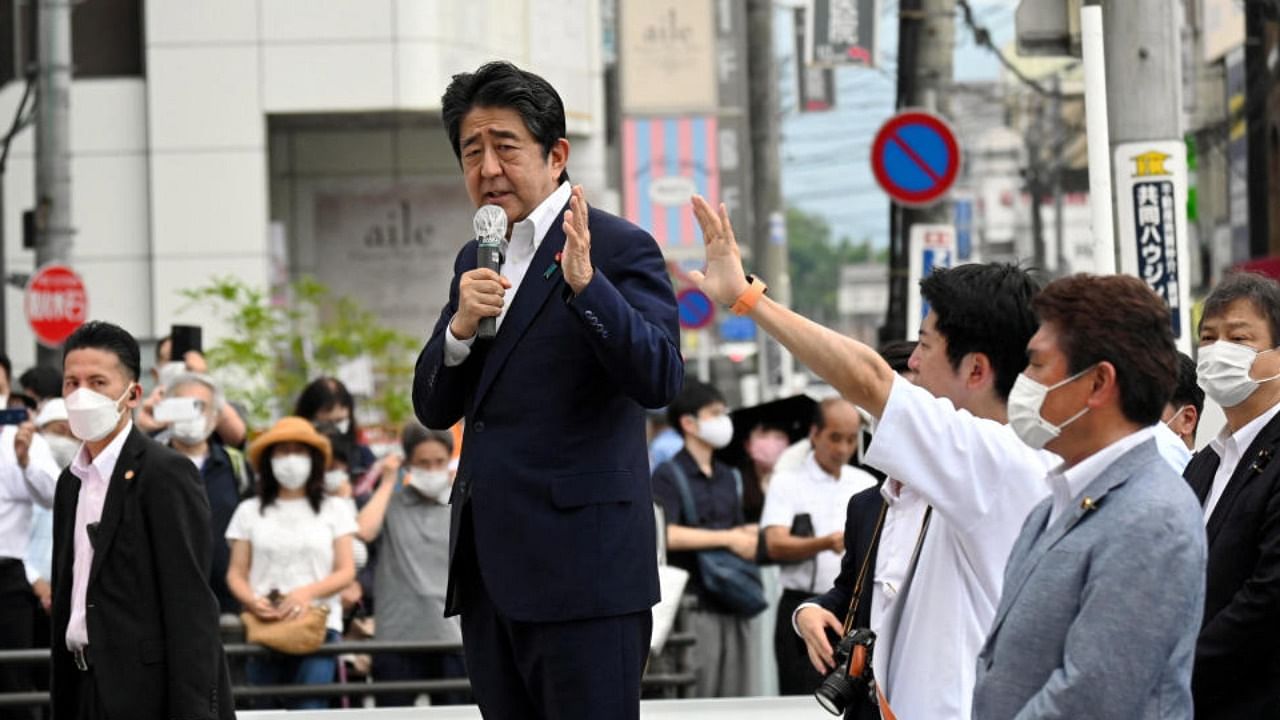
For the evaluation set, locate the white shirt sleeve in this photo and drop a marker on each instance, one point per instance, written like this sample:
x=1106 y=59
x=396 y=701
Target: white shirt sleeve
x=779 y=510
x=970 y=469
x=41 y=474
x=456 y=351
x=340 y=514
x=241 y=525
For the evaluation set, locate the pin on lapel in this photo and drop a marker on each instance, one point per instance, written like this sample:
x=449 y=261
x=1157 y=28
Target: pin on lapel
x=551 y=269
x=1264 y=458
x=128 y=475
x=1088 y=504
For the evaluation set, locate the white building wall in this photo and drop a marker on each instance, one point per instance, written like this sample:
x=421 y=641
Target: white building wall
x=171 y=173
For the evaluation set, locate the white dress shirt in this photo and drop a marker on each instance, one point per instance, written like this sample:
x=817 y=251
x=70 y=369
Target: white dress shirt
x=95 y=477
x=1171 y=447
x=981 y=481
x=20 y=490
x=1230 y=448
x=1067 y=483
x=526 y=238
x=825 y=498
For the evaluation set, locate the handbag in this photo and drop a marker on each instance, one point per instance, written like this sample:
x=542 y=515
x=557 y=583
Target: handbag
x=671 y=582
x=733 y=582
x=301 y=635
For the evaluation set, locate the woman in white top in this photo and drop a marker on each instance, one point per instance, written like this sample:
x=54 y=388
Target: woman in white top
x=291 y=548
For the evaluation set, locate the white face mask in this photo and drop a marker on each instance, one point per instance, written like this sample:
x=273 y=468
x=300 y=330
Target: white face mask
x=1174 y=416
x=193 y=431
x=291 y=471
x=717 y=431
x=64 y=449
x=1223 y=372
x=1025 y=401
x=433 y=484
x=343 y=425
x=92 y=415
x=333 y=480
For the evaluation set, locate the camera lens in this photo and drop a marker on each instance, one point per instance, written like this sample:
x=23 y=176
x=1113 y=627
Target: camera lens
x=835 y=693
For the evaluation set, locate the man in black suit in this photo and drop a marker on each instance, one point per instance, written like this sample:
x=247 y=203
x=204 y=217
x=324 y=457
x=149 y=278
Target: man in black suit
x=1237 y=664
x=135 y=625
x=552 y=560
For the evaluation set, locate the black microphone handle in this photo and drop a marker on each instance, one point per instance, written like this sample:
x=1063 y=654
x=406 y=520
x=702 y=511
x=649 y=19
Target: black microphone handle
x=488 y=257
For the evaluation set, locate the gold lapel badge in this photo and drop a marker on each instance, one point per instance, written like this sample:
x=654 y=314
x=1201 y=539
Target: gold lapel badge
x=1088 y=504
x=128 y=474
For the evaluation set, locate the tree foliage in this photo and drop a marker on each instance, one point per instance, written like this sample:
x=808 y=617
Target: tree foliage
x=277 y=345
x=815 y=261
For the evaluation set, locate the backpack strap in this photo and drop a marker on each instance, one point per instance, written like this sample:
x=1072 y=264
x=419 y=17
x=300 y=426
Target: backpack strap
x=240 y=469
x=688 y=509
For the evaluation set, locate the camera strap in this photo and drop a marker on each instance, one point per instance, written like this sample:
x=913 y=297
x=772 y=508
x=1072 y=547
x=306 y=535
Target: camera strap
x=862 y=572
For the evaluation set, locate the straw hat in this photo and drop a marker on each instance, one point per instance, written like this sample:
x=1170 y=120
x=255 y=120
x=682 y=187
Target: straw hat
x=289 y=429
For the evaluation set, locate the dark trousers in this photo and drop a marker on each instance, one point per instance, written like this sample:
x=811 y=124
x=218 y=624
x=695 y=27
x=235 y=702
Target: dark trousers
x=419 y=666
x=796 y=675
x=585 y=669
x=18 y=608
x=89 y=706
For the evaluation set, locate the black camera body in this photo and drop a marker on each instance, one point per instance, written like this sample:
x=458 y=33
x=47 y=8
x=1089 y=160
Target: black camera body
x=852 y=674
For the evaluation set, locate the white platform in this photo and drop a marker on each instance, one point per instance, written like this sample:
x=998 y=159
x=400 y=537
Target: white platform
x=733 y=709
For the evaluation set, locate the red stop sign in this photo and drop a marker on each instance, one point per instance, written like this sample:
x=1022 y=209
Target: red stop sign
x=56 y=304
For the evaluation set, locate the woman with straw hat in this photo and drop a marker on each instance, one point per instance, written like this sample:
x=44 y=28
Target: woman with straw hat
x=291 y=548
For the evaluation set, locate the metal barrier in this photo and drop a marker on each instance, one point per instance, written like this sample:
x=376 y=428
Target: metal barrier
x=677 y=680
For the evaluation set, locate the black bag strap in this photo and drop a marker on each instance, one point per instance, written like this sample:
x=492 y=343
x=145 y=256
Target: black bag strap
x=862 y=572
x=688 y=507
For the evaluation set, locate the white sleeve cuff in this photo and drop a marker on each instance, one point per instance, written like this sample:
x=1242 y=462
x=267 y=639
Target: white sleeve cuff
x=803 y=605
x=456 y=351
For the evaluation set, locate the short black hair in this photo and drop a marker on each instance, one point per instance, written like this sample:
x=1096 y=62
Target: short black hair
x=897 y=353
x=694 y=396
x=320 y=395
x=1187 y=391
x=1261 y=291
x=41 y=381
x=6 y=365
x=985 y=308
x=414 y=434
x=503 y=85
x=100 y=335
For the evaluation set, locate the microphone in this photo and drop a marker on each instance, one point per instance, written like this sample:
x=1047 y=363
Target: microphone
x=490 y=224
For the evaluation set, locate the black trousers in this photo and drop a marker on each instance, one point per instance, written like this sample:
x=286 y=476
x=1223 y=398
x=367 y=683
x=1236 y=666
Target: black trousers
x=90 y=706
x=580 y=669
x=796 y=675
x=18 y=608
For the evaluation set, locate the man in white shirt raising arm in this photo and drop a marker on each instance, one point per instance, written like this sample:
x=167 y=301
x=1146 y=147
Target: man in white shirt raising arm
x=944 y=444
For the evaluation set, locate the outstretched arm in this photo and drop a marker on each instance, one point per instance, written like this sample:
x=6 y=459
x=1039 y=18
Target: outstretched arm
x=852 y=368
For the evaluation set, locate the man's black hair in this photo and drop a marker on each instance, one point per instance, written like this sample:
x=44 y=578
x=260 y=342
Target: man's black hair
x=7 y=366
x=692 y=398
x=1261 y=291
x=42 y=382
x=1187 y=391
x=99 y=335
x=985 y=308
x=503 y=85
x=897 y=353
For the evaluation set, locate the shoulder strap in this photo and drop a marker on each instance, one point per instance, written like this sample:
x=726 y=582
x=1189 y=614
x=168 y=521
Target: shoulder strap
x=238 y=468
x=866 y=563
x=737 y=479
x=686 y=495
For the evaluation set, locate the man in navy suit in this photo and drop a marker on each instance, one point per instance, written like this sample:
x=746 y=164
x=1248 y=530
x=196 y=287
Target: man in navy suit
x=552 y=548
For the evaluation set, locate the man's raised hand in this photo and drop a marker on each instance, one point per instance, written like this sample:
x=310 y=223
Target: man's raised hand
x=723 y=278
x=576 y=258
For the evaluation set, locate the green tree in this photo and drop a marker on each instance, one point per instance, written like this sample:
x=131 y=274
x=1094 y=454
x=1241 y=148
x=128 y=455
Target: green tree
x=815 y=261
x=276 y=347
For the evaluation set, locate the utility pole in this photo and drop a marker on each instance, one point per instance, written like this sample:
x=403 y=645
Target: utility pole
x=53 y=142
x=768 y=232
x=1057 y=143
x=926 y=44
x=1035 y=140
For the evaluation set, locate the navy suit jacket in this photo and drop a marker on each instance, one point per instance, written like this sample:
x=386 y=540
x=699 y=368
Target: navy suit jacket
x=554 y=465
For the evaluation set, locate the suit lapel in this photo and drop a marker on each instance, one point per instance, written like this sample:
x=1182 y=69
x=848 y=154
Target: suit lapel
x=1200 y=472
x=1114 y=476
x=535 y=289
x=1254 y=460
x=121 y=484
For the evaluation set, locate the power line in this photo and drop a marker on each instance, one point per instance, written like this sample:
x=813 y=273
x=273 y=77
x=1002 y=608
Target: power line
x=982 y=37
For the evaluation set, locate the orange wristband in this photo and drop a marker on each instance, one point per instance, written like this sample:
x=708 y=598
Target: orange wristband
x=749 y=297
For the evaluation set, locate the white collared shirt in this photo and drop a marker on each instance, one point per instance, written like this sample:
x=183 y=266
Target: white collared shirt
x=95 y=478
x=1171 y=447
x=898 y=538
x=21 y=489
x=526 y=237
x=1230 y=448
x=981 y=481
x=825 y=498
x=1067 y=484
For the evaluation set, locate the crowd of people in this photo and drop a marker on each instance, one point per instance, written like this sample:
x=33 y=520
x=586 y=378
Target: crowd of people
x=1007 y=518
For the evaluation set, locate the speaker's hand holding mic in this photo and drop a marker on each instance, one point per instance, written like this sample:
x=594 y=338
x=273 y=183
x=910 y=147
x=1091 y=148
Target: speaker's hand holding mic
x=482 y=292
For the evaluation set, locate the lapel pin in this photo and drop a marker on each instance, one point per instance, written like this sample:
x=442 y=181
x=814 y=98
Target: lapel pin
x=551 y=269
x=1088 y=504
x=128 y=475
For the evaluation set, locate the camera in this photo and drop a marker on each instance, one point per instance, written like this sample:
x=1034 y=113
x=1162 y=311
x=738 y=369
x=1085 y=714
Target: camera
x=852 y=674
